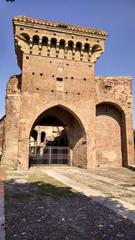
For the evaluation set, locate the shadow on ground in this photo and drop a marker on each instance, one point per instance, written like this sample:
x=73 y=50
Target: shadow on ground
x=47 y=209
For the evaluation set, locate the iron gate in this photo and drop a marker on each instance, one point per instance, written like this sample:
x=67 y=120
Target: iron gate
x=49 y=155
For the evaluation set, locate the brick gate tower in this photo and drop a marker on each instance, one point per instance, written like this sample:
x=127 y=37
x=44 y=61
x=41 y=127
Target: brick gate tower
x=57 y=92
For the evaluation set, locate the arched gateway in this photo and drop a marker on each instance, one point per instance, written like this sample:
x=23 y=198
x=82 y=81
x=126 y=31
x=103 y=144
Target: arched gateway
x=51 y=114
x=58 y=137
x=110 y=135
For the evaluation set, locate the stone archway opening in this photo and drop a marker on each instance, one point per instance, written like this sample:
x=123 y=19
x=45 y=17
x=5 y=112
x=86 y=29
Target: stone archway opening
x=58 y=137
x=110 y=135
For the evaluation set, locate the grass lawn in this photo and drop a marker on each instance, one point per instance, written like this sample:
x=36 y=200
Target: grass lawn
x=37 y=187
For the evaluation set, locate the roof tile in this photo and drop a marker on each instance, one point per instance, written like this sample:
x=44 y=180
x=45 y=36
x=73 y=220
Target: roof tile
x=60 y=25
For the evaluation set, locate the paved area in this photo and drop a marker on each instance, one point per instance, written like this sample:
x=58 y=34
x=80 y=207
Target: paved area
x=115 y=182
x=114 y=188
x=2 y=220
x=40 y=207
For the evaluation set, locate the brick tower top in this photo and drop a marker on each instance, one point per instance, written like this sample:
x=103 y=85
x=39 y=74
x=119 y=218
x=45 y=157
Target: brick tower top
x=68 y=27
x=82 y=43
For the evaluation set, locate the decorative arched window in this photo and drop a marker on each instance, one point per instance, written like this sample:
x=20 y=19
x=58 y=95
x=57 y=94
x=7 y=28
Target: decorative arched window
x=26 y=37
x=34 y=134
x=44 y=46
x=62 y=44
x=53 y=43
x=44 y=41
x=96 y=48
x=70 y=45
x=78 y=46
x=86 y=47
x=53 y=47
x=42 y=137
x=35 y=49
x=62 y=48
x=35 y=40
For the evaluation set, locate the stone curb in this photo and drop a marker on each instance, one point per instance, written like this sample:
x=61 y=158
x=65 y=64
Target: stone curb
x=119 y=206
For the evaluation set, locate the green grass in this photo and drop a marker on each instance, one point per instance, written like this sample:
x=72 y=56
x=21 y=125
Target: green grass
x=36 y=187
x=48 y=186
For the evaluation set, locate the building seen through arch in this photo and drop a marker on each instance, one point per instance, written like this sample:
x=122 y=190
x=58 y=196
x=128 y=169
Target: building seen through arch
x=51 y=143
x=56 y=136
x=57 y=110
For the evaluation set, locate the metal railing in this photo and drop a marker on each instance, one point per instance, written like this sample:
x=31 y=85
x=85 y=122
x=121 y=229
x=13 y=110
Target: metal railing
x=49 y=155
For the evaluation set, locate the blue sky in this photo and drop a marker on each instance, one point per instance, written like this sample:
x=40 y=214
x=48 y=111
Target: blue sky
x=117 y=17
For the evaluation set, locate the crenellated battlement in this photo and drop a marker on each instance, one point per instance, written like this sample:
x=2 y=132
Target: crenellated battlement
x=57 y=40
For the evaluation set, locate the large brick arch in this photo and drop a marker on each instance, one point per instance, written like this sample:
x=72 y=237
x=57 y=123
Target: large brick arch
x=75 y=132
x=110 y=135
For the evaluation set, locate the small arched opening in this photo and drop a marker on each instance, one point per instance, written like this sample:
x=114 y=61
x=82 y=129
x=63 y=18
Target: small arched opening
x=62 y=44
x=44 y=41
x=96 y=48
x=86 y=51
x=86 y=48
x=78 y=50
x=26 y=37
x=110 y=135
x=78 y=46
x=64 y=139
x=35 y=49
x=53 y=47
x=62 y=48
x=70 y=45
x=70 y=49
x=44 y=46
x=53 y=43
x=42 y=137
x=33 y=144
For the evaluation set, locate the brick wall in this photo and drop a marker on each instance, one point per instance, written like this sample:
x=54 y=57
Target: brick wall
x=2 y=121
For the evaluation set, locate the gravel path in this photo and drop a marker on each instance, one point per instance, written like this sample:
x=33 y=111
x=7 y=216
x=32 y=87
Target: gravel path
x=45 y=209
x=76 y=218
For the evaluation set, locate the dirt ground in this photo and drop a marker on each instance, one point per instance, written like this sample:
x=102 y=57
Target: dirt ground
x=38 y=207
x=115 y=182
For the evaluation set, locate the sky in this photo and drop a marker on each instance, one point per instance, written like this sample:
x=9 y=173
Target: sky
x=116 y=17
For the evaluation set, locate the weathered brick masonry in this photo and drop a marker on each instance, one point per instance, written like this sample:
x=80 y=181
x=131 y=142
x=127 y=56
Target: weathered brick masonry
x=2 y=122
x=58 y=86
